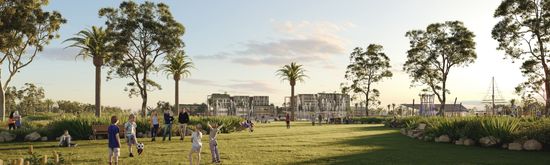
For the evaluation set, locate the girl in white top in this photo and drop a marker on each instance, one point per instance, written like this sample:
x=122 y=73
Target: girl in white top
x=197 y=144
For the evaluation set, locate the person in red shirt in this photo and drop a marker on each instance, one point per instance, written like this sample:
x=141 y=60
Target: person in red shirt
x=287 y=119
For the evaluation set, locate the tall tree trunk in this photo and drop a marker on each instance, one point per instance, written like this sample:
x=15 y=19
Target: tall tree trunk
x=443 y=97
x=546 y=87
x=177 y=95
x=292 y=102
x=3 y=103
x=98 y=91
x=144 y=95
x=367 y=103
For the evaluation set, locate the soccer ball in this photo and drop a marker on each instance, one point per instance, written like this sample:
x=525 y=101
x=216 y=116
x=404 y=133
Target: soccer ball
x=140 y=148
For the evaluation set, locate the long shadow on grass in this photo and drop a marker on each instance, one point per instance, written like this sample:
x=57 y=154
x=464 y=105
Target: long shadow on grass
x=394 y=148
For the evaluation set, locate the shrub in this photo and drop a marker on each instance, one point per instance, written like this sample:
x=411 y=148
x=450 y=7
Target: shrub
x=502 y=128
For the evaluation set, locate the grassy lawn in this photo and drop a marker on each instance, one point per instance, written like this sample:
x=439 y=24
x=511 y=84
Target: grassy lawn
x=302 y=144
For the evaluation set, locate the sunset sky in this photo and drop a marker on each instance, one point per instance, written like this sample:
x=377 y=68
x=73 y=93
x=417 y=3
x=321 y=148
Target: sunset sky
x=238 y=45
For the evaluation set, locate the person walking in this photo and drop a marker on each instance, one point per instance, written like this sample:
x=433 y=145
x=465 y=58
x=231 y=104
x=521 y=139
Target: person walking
x=183 y=119
x=168 y=119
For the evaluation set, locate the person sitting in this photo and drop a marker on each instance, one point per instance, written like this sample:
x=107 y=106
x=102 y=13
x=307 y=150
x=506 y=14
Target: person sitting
x=65 y=140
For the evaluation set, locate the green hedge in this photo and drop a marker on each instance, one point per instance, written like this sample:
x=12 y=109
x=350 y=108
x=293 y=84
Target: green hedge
x=370 y=120
x=81 y=127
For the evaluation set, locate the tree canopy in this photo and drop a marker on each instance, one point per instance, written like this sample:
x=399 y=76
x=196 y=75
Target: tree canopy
x=367 y=67
x=142 y=33
x=434 y=51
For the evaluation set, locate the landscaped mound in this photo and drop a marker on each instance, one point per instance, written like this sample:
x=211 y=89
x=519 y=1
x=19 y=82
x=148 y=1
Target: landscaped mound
x=506 y=132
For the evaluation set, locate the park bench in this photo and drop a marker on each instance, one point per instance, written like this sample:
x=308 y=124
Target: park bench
x=102 y=130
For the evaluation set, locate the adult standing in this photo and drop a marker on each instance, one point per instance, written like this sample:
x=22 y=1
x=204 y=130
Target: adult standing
x=183 y=119
x=287 y=119
x=154 y=125
x=168 y=119
x=18 y=119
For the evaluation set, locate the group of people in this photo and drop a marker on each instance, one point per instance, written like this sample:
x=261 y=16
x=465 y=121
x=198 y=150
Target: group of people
x=14 y=120
x=183 y=119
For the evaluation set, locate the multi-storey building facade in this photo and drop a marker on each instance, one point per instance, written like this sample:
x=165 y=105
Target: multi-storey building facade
x=245 y=106
x=328 y=104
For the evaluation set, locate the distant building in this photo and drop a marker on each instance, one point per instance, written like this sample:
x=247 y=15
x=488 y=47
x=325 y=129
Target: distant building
x=194 y=109
x=330 y=105
x=244 y=106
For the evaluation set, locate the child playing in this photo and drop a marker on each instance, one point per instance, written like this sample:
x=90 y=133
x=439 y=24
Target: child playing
x=65 y=140
x=214 y=142
x=130 y=129
x=114 y=141
x=197 y=144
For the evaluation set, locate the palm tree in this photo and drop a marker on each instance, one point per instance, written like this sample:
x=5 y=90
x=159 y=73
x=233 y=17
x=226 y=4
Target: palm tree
x=178 y=65
x=93 y=43
x=292 y=73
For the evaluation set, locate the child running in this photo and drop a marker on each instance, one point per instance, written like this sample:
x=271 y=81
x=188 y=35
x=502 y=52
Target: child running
x=214 y=129
x=114 y=141
x=197 y=144
x=130 y=129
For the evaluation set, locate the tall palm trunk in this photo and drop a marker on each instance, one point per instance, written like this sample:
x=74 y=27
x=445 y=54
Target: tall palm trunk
x=98 y=91
x=177 y=95
x=292 y=102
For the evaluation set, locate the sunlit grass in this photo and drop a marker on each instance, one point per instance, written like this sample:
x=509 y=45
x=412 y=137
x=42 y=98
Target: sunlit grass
x=302 y=144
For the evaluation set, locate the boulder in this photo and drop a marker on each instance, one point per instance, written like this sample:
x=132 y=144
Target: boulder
x=44 y=139
x=460 y=141
x=417 y=135
x=515 y=146
x=504 y=146
x=488 y=141
x=532 y=145
x=32 y=137
x=6 y=137
x=428 y=138
x=443 y=139
x=403 y=131
x=469 y=142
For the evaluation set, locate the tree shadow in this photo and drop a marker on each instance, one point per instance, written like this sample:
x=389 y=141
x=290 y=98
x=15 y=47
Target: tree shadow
x=394 y=148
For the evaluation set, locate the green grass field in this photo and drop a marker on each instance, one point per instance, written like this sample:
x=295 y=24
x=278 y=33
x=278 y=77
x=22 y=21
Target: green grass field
x=302 y=144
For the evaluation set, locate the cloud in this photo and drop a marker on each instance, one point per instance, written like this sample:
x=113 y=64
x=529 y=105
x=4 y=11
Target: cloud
x=61 y=54
x=243 y=86
x=304 y=41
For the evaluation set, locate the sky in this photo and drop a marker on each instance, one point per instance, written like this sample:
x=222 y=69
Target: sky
x=238 y=45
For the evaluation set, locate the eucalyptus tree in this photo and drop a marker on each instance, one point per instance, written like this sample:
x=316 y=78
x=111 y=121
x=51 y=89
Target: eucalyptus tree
x=142 y=34
x=367 y=67
x=25 y=28
x=434 y=52
x=522 y=33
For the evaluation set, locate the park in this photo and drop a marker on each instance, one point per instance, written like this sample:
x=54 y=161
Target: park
x=274 y=82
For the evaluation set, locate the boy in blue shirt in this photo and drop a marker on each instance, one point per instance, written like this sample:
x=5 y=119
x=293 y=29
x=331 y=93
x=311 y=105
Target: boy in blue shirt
x=114 y=141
